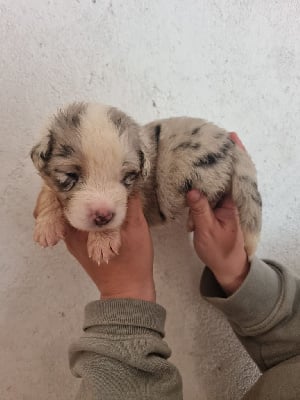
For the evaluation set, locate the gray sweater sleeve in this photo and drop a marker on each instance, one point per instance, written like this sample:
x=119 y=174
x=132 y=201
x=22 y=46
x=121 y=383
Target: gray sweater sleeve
x=265 y=314
x=122 y=354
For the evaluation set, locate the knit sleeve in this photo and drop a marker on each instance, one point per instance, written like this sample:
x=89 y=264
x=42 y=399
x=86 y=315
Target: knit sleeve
x=122 y=354
x=265 y=314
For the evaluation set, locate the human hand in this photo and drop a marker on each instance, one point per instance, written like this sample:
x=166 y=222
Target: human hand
x=218 y=238
x=129 y=274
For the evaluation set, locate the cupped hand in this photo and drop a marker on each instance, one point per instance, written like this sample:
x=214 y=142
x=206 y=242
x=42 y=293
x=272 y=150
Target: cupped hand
x=129 y=274
x=218 y=238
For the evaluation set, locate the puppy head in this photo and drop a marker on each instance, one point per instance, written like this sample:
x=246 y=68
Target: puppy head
x=92 y=157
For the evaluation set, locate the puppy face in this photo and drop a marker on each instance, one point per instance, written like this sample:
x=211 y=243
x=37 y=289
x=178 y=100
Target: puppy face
x=91 y=156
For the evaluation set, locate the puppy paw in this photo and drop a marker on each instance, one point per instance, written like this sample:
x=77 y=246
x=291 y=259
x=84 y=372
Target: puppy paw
x=102 y=246
x=48 y=232
x=251 y=241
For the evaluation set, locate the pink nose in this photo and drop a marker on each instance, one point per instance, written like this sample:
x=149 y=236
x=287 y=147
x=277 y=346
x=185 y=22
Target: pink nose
x=103 y=218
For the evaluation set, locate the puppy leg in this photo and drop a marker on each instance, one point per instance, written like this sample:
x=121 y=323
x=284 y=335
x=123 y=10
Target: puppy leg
x=251 y=242
x=102 y=246
x=247 y=199
x=50 y=225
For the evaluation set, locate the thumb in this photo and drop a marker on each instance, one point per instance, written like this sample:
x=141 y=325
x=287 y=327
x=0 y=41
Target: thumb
x=200 y=210
x=135 y=213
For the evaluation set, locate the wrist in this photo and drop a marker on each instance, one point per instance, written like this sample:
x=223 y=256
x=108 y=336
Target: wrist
x=146 y=294
x=232 y=277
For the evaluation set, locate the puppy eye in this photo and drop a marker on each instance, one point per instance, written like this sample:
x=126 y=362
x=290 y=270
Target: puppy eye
x=129 y=178
x=68 y=181
x=72 y=175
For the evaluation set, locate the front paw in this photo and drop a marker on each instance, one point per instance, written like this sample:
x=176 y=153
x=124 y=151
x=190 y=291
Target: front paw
x=102 y=246
x=48 y=232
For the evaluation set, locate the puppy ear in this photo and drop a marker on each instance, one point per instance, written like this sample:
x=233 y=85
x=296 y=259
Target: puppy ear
x=130 y=132
x=42 y=152
x=145 y=165
x=145 y=153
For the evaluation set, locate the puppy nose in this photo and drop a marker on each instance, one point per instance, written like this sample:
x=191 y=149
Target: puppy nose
x=103 y=218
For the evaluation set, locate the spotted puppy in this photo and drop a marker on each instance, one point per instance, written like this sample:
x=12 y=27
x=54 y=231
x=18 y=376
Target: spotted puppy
x=92 y=156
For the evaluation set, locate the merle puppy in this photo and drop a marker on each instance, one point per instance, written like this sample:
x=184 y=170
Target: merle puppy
x=92 y=156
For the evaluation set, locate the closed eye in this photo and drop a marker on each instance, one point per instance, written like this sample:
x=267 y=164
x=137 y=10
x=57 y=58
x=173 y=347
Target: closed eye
x=129 y=178
x=66 y=181
x=72 y=175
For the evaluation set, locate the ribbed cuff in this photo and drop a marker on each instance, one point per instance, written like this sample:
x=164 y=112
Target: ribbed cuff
x=127 y=314
x=252 y=306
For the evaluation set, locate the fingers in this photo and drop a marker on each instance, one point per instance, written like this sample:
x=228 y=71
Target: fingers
x=200 y=210
x=74 y=238
x=234 y=137
x=201 y=216
x=227 y=202
x=227 y=212
x=190 y=223
x=135 y=215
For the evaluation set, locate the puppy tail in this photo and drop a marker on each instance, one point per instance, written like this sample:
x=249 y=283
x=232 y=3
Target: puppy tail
x=247 y=198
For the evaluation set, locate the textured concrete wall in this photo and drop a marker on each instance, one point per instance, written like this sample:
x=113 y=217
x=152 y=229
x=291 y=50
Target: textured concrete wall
x=234 y=62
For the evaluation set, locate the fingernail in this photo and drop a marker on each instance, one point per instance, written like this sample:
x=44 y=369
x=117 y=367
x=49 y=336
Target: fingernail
x=194 y=195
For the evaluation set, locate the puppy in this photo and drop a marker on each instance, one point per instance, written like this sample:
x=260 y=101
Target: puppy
x=92 y=156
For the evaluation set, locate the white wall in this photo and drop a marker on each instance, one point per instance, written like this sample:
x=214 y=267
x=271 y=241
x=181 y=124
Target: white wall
x=236 y=63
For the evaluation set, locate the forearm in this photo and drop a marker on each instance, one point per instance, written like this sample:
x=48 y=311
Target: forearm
x=122 y=353
x=264 y=312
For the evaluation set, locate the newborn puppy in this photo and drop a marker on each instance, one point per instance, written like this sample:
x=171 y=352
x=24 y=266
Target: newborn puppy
x=92 y=156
